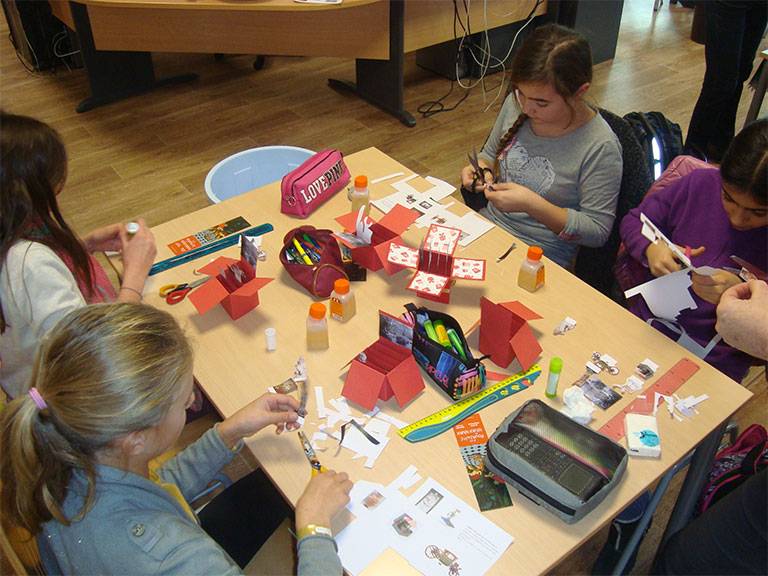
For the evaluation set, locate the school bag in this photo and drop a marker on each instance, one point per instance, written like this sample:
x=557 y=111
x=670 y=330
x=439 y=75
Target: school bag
x=668 y=137
x=734 y=465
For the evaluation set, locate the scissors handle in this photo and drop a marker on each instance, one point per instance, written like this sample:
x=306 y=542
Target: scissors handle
x=168 y=288
x=177 y=295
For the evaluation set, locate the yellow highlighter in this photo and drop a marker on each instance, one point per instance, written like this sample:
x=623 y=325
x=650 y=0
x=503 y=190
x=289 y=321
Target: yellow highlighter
x=310 y=454
x=302 y=253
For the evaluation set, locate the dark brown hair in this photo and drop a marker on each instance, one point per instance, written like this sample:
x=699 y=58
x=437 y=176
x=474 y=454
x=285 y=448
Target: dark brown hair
x=33 y=165
x=552 y=55
x=745 y=163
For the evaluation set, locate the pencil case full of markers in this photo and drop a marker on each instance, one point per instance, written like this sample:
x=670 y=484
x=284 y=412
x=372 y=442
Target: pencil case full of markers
x=440 y=348
x=312 y=258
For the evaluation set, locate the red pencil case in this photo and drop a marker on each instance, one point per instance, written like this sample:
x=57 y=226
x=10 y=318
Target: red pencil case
x=302 y=190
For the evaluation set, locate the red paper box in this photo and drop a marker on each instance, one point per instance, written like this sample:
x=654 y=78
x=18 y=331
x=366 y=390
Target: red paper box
x=506 y=335
x=384 y=369
x=436 y=266
x=237 y=302
x=384 y=232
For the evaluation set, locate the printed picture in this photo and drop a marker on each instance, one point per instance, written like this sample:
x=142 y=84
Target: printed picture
x=285 y=387
x=597 y=391
x=404 y=525
x=429 y=501
x=373 y=499
x=394 y=330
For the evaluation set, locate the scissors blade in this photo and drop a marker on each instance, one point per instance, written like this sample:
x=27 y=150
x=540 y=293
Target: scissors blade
x=751 y=268
x=310 y=453
x=197 y=283
x=473 y=160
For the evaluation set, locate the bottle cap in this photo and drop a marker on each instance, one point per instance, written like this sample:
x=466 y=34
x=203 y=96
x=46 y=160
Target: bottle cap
x=131 y=228
x=556 y=365
x=341 y=286
x=534 y=253
x=361 y=181
x=317 y=310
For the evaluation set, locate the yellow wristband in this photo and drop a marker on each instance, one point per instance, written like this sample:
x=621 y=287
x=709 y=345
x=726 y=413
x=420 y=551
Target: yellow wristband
x=311 y=529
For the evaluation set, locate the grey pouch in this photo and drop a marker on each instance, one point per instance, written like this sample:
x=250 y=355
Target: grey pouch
x=560 y=464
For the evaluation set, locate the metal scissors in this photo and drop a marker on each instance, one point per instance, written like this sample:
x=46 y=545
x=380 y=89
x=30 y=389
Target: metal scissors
x=310 y=454
x=750 y=268
x=478 y=178
x=175 y=293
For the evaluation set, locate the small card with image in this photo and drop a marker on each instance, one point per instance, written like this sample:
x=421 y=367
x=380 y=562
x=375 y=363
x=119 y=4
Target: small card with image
x=597 y=391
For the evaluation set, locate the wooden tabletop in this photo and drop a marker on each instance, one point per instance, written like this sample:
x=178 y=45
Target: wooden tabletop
x=233 y=366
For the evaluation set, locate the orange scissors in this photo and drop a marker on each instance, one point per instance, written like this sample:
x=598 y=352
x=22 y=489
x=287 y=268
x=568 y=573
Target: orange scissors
x=175 y=293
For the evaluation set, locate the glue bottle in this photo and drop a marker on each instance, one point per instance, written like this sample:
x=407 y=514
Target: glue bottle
x=531 y=275
x=555 y=367
x=317 y=327
x=359 y=194
x=342 y=301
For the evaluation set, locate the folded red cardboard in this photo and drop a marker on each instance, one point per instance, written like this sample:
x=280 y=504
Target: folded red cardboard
x=384 y=232
x=505 y=334
x=384 y=369
x=236 y=301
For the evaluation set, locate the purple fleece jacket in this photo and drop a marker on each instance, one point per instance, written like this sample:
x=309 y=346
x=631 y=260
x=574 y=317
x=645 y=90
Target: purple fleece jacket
x=690 y=213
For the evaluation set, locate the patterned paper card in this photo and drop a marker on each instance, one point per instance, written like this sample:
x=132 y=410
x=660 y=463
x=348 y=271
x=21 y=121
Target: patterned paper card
x=442 y=239
x=428 y=283
x=468 y=269
x=403 y=255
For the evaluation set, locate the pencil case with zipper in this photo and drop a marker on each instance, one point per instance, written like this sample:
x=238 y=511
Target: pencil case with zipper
x=561 y=465
x=450 y=364
x=319 y=266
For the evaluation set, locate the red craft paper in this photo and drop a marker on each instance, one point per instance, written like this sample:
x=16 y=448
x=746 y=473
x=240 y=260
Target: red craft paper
x=506 y=335
x=524 y=346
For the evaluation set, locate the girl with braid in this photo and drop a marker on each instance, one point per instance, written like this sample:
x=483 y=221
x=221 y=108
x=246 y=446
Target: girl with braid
x=551 y=165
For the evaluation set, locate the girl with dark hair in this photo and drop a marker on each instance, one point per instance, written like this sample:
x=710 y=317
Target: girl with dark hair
x=718 y=213
x=45 y=268
x=552 y=165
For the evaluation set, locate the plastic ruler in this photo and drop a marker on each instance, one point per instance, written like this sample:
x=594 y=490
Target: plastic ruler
x=445 y=419
x=667 y=384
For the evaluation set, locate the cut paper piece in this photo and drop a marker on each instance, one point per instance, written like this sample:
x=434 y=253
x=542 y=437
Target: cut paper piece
x=341 y=405
x=564 y=326
x=505 y=334
x=405 y=478
x=667 y=295
x=435 y=264
x=387 y=177
x=320 y=402
x=373 y=256
x=391 y=419
x=355 y=440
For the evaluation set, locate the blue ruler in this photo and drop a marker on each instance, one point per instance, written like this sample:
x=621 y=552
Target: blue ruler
x=447 y=418
x=207 y=249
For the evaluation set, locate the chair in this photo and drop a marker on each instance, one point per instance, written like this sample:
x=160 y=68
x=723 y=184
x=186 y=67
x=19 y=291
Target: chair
x=595 y=265
x=251 y=169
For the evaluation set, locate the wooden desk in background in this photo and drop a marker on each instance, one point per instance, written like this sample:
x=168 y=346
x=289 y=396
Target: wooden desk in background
x=117 y=36
x=233 y=366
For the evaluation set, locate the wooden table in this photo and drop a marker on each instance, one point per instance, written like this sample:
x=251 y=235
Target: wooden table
x=116 y=37
x=233 y=367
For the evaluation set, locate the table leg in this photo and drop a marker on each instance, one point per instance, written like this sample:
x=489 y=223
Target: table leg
x=380 y=82
x=757 y=97
x=114 y=75
x=693 y=483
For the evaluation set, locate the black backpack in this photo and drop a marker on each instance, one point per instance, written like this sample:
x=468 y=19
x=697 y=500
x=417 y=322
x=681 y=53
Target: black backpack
x=650 y=126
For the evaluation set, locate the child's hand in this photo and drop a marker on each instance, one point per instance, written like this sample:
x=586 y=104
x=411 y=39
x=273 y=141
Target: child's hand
x=711 y=288
x=510 y=197
x=139 y=253
x=325 y=495
x=277 y=409
x=468 y=176
x=106 y=239
x=662 y=261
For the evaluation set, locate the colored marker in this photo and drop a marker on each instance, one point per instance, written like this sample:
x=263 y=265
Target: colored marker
x=303 y=254
x=430 y=329
x=442 y=334
x=313 y=242
x=456 y=341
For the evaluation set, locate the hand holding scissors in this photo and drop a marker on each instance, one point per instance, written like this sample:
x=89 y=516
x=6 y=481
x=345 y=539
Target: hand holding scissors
x=480 y=173
x=175 y=293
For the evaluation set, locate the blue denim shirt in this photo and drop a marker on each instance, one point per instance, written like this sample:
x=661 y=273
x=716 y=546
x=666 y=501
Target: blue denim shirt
x=136 y=527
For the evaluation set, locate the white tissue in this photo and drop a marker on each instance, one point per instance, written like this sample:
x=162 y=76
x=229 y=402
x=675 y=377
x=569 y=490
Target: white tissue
x=577 y=406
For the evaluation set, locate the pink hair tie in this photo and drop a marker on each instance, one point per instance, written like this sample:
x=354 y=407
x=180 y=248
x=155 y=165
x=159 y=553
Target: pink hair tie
x=37 y=399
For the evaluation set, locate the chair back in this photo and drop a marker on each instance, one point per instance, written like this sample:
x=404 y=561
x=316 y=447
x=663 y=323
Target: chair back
x=253 y=168
x=595 y=265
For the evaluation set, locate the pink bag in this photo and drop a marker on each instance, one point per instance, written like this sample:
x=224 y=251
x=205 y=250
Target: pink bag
x=312 y=183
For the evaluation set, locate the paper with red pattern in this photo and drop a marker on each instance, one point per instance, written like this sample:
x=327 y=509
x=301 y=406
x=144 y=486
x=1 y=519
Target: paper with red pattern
x=431 y=284
x=468 y=269
x=442 y=239
x=403 y=255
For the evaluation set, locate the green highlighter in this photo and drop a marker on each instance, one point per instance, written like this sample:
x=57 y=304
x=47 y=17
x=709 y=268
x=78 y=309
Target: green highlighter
x=456 y=341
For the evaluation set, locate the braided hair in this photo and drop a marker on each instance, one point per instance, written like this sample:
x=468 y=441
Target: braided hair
x=552 y=55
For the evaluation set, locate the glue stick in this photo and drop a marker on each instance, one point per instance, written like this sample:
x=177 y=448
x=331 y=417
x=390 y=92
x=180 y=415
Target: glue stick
x=555 y=367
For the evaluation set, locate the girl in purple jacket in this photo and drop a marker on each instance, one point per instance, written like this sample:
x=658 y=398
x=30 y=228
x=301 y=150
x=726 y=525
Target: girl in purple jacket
x=714 y=214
